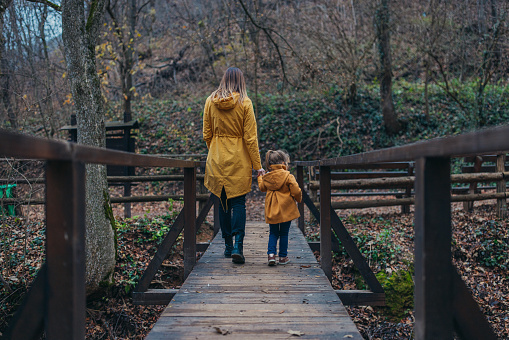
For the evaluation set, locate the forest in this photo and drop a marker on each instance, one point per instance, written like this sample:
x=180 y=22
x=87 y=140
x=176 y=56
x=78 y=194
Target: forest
x=327 y=78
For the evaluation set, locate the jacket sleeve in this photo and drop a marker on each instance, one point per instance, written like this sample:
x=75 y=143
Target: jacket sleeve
x=250 y=137
x=207 y=124
x=262 y=186
x=295 y=191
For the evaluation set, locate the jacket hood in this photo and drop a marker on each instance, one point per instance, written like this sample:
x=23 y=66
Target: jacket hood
x=275 y=179
x=227 y=103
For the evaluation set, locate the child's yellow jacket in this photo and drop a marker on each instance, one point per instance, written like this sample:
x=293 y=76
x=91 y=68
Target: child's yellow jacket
x=282 y=192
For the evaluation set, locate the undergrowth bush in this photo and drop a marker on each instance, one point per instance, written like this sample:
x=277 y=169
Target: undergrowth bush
x=399 y=293
x=314 y=124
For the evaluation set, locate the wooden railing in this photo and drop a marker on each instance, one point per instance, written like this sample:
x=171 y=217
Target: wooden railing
x=390 y=183
x=443 y=303
x=126 y=198
x=111 y=179
x=55 y=304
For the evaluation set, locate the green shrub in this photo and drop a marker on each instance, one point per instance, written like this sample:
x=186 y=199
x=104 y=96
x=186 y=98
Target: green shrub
x=399 y=293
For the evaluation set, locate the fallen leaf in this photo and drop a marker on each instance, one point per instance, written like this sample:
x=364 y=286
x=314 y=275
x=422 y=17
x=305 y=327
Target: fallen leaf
x=295 y=333
x=222 y=331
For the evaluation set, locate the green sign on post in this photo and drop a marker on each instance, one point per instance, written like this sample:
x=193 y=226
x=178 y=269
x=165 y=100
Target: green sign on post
x=5 y=192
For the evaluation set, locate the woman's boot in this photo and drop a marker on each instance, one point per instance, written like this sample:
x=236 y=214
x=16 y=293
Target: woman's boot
x=228 y=246
x=237 y=254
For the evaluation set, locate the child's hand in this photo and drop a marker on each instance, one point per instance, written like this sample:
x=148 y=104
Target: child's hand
x=260 y=172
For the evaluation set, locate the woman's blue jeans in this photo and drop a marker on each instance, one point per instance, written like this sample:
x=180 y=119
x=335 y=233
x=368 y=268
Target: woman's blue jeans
x=233 y=218
x=279 y=231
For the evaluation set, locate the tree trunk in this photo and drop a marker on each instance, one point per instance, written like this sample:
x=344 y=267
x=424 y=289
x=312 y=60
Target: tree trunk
x=382 y=18
x=47 y=111
x=497 y=54
x=130 y=57
x=79 y=37
x=5 y=78
x=426 y=85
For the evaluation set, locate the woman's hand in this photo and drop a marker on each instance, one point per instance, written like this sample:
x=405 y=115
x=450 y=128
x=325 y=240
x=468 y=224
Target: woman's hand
x=260 y=172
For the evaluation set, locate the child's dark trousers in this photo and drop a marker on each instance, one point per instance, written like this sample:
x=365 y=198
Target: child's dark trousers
x=279 y=231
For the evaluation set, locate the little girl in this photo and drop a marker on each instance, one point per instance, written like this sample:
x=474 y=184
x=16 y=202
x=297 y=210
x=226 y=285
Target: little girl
x=280 y=208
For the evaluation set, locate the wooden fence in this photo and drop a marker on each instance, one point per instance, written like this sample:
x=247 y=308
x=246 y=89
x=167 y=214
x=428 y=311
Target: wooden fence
x=384 y=183
x=125 y=181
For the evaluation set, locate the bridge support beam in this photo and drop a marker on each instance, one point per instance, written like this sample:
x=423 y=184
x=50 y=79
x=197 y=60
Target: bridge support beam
x=300 y=182
x=325 y=222
x=433 y=267
x=189 y=220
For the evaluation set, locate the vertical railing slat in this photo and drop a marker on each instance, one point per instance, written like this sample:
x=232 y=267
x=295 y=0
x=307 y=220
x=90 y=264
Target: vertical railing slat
x=501 y=187
x=65 y=250
x=189 y=220
x=433 y=267
x=217 y=205
x=325 y=221
x=300 y=182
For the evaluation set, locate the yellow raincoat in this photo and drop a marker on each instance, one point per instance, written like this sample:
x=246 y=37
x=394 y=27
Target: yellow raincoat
x=282 y=192
x=230 y=133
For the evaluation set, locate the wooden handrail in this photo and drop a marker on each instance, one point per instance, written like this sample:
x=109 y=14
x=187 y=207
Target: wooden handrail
x=17 y=145
x=484 y=141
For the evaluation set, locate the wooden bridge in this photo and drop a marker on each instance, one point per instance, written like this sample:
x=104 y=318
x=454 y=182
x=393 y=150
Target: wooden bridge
x=253 y=300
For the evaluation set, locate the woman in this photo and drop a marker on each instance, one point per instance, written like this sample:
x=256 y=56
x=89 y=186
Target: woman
x=229 y=129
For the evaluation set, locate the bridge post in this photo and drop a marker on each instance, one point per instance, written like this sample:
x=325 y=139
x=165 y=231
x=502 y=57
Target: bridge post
x=189 y=220
x=300 y=182
x=433 y=267
x=501 y=187
x=405 y=209
x=325 y=221
x=65 y=250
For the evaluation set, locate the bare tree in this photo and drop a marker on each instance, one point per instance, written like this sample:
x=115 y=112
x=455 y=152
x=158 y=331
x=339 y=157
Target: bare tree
x=80 y=33
x=5 y=77
x=124 y=16
x=382 y=19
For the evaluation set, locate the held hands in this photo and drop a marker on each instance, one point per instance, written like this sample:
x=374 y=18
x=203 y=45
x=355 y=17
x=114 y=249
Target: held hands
x=260 y=172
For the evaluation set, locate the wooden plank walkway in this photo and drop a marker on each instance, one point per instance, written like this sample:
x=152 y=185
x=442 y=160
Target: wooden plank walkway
x=254 y=300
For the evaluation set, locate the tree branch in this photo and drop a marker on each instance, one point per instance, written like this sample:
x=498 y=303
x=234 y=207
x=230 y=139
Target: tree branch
x=48 y=3
x=4 y=4
x=447 y=88
x=267 y=33
x=141 y=8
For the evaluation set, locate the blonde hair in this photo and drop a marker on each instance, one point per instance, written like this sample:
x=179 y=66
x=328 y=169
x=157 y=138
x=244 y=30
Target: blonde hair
x=233 y=81
x=276 y=157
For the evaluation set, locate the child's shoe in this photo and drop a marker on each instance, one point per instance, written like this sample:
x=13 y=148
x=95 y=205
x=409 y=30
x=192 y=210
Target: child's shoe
x=284 y=260
x=272 y=260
